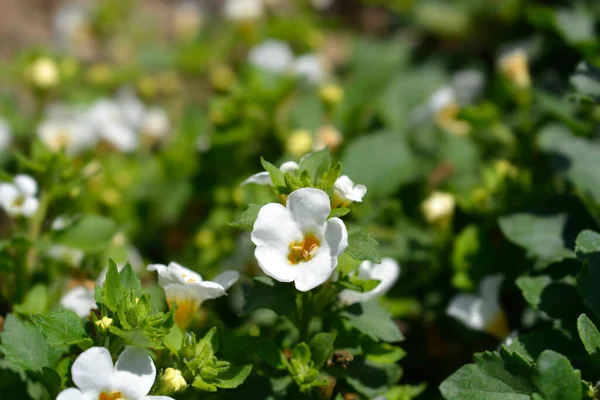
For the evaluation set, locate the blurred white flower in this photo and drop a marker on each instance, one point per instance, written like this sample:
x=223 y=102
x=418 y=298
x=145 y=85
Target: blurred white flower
x=80 y=300
x=297 y=243
x=321 y=4
x=156 y=124
x=5 y=134
x=345 y=192
x=387 y=273
x=189 y=290
x=112 y=125
x=272 y=55
x=263 y=178
x=96 y=377
x=310 y=68
x=187 y=19
x=467 y=85
x=72 y=28
x=66 y=254
x=73 y=135
x=482 y=311
x=18 y=198
x=243 y=10
x=438 y=206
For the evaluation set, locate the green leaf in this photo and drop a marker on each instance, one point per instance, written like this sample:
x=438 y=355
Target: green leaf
x=247 y=218
x=321 y=347
x=277 y=177
x=361 y=246
x=532 y=288
x=89 y=233
x=233 y=377
x=112 y=289
x=393 y=165
x=576 y=26
x=555 y=378
x=589 y=335
x=487 y=379
x=316 y=164
x=338 y=212
x=384 y=353
x=174 y=340
x=268 y=293
x=36 y=301
x=62 y=327
x=268 y=351
x=587 y=246
x=130 y=280
x=540 y=236
x=24 y=344
x=372 y=320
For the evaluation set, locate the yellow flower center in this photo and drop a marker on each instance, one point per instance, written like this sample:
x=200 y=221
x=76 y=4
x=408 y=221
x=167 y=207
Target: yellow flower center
x=111 y=396
x=498 y=327
x=19 y=201
x=303 y=251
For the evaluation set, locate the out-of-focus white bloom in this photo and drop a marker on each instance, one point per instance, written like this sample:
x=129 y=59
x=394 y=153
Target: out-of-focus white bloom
x=514 y=64
x=263 y=178
x=272 y=55
x=187 y=19
x=467 y=85
x=5 y=134
x=71 y=135
x=297 y=242
x=189 y=290
x=310 y=67
x=111 y=124
x=387 y=273
x=482 y=311
x=345 y=192
x=156 y=124
x=72 y=28
x=43 y=73
x=243 y=10
x=438 y=206
x=80 y=300
x=321 y=4
x=18 y=198
x=96 y=377
x=69 y=255
x=132 y=108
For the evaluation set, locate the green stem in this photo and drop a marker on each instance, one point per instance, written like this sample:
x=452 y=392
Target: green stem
x=304 y=311
x=35 y=228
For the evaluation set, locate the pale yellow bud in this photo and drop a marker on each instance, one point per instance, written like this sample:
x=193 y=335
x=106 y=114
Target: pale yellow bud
x=205 y=238
x=99 y=74
x=173 y=380
x=515 y=66
x=43 y=73
x=505 y=169
x=111 y=197
x=438 y=206
x=222 y=77
x=331 y=93
x=299 y=143
x=328 y=136
x=104 y=323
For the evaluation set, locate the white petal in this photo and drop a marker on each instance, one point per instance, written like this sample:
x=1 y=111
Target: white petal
x=174 y=274
x=386 y=273
x=29 y=206
x=314 y=272
x=93 y=370
x=70 y=394
x=489 y=288
x=466 y=308
x=274 y=262
x=8 y=195
x=336 y=236
x=26 y=184
x=227 y=279
x=274 y=227
x=208 y=290
x=310 y=68
x=134 y=373
x=309 y=208
x=80 y=300
x=288 y=166
x=122 y=137
x=271 y=55
x=262 y=178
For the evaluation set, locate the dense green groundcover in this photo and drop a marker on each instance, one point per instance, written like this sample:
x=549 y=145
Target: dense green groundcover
x=384 y=199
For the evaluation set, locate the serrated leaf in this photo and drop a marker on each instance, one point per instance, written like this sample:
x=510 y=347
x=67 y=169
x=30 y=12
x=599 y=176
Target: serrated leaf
x=361 y=246
x=62 y=327
x=268 y=351
x=555 y=378
x=532 y=288
x=130 y=280
x=316 y=164
x=174 y=340
x=268 y=293
x=321 y=347
x=112 y=289
x=233 y=377
x=590 y=337
x=277 y=177
x=540 y=236
x=36 y=301
x=384 y=353
x=89 y=233
x=24 y=344
x=372 y=320
x=247 y=218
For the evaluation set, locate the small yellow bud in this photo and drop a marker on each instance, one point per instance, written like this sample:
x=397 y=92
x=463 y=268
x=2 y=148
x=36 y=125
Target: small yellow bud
x=438 y=206
x=222 y=77
x=515 y=66
x=328 y=136
x=99 y=75
x=505 y=169
x=331 y=94
x=111 y=197
x=205 y=238
x=43 y=73
x=173 y=380
x=104 y=323
x=299 y=143
x=147 y=86
x=118 y=240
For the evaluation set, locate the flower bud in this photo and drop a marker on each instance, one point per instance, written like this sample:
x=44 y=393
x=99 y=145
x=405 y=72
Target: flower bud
x=328 y=136
x=173 y=380
x=515 y=66
x=438 y=206
x=299 y=142
x=43 y=73
x=222 y=77
x=104 y=323
x=331 y=94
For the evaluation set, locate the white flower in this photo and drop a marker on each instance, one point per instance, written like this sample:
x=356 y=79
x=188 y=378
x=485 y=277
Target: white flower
x=69 y=255
x=156 y=124
x=243 y=10
x=18 y=198
x=72 y=28
x=263 y=178
x=80 y=300
x=72 y=135
x=481 y=312
x=5 y=134
x=297 y=243
x=467 y=85
x=321 y=4
x=189 y=290
x=438 y=206
x=113 y=125
x=387 y=273
x=95 y=376
x=345 y=192
x=272 y=55
x=310 y=67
